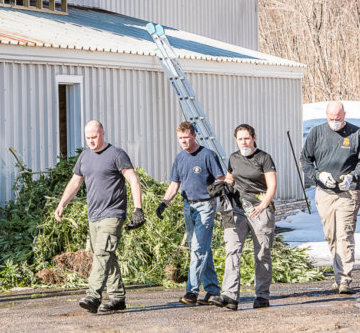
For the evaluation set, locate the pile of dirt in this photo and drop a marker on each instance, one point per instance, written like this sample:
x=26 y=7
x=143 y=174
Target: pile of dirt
x=79 y=262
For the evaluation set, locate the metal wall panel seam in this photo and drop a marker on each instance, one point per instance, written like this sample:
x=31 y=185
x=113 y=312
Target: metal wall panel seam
x=116 y=126
x=40 y=133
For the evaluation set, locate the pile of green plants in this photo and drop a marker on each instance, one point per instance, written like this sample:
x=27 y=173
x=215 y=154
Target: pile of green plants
x=156 y=253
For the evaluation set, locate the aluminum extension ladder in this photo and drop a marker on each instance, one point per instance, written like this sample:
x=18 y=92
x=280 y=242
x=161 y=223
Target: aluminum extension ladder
x=189 y=104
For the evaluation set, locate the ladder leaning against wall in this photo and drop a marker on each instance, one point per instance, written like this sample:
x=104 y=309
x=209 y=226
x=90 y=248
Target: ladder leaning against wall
x=186 y=96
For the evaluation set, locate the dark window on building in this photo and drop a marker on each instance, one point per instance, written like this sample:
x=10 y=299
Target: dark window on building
x=62 y=121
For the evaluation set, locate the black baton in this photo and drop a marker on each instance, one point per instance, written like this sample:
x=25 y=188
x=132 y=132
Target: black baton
x=298 y=170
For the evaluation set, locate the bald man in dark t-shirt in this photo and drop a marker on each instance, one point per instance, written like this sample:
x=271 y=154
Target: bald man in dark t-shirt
x=104 y=168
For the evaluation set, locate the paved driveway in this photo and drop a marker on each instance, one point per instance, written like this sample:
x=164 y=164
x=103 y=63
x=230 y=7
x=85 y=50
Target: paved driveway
x=309 y=307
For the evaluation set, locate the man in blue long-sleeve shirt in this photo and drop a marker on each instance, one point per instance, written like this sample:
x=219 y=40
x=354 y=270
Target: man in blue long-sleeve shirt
x=331 y=157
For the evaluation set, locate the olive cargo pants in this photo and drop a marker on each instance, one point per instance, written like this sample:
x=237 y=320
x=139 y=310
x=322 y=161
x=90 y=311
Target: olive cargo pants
x=104 y=240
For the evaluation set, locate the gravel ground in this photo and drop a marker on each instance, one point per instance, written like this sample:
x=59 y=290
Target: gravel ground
x=298 y=307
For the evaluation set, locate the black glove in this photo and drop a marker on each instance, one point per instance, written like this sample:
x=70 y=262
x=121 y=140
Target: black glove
x=137 y=219
x=229 y=189
x=216 y=188
x=160 y=210
x=219 y=188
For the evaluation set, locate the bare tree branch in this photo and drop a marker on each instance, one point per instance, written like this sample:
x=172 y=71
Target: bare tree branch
x=324 y=35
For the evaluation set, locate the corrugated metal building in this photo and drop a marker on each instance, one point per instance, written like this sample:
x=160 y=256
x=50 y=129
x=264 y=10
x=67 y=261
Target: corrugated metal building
x=102 y=65
x=231 y=21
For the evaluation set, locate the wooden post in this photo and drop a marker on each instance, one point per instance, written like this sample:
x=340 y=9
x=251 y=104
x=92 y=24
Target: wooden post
x=26 y=3
x=39 y=4
x=52 y=5
x=64 y=7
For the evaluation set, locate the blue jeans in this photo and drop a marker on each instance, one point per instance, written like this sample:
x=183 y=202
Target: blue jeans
x=199 y=223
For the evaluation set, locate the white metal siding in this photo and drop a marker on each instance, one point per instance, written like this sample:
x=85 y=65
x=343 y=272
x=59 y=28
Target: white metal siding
x=26 y=121
x=231 y=21
x=140 y=113
x=271 y=105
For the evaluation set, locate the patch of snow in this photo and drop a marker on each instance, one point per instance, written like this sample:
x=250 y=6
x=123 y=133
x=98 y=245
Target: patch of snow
x=308 y=232
x=317 y=110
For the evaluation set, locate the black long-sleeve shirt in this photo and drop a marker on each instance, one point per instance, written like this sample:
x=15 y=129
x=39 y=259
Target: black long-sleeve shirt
x=337 y=152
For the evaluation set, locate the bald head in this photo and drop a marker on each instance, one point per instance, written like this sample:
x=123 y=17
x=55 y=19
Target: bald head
x=335 y=114
x=95 y=135
x=95 y=124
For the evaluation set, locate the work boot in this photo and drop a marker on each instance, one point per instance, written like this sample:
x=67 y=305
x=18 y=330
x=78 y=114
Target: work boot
x=261 y=302
x=225 y=301
x=189 y=299
x=344 y=288
x=90 y=303
x=207 y=300
x=113 y=305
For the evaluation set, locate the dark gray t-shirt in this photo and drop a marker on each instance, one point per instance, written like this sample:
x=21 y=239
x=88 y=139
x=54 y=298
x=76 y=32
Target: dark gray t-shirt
x=337 y=152
x=105 y=184
x=248 y=173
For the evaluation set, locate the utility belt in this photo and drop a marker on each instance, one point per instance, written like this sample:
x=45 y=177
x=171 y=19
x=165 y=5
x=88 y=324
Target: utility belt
x=196 y=201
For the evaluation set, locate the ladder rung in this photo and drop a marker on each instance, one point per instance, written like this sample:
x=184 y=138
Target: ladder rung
x=187 y=97
x=176 y=78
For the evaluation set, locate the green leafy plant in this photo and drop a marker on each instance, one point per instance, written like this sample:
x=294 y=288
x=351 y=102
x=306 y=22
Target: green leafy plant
x=15 y=275
x=156 y=253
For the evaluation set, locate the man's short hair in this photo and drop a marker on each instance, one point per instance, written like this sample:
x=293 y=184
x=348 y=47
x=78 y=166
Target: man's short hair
x=96 y=123
x=186 y=126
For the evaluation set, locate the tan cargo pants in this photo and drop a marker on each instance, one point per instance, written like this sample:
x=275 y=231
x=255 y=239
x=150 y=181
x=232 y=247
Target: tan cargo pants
x=338 y=214
x=262 y=230
x=104 y=240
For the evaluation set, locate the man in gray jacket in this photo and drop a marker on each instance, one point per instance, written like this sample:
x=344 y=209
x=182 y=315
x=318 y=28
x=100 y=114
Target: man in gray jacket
x=331 y=157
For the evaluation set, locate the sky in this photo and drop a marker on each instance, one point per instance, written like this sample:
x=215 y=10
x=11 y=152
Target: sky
x=307 y=229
